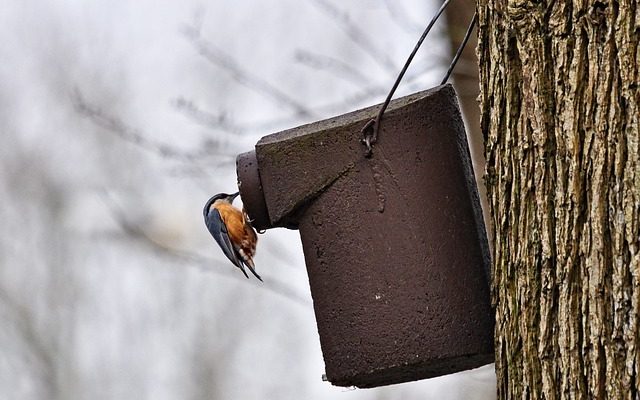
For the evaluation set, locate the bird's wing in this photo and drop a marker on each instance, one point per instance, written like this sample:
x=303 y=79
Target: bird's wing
x=218 y=230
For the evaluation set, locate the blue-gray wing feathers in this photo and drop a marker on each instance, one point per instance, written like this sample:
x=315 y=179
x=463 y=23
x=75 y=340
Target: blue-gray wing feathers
x=218 y=230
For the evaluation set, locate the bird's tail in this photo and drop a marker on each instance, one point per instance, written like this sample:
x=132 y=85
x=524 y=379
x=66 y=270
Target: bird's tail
x=252 y=268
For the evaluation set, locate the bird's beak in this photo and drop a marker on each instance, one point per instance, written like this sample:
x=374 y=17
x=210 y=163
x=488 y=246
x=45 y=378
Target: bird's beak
x=232 y=197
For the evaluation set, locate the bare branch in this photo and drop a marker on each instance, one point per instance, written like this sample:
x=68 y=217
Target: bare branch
x=220 y=121
x=218 y=57
x=226 y=122
x=21 y=318
x=375 y=93
x=357 y=35
x=400 y=17
x=335 y=67
x=203 y=263
x=197 y=171
x=372 y=93
x=207 y=150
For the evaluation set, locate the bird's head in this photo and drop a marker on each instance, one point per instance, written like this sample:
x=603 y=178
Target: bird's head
x=222 y=197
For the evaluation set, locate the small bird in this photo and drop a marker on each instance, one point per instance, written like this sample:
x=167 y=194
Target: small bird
x=232 y=229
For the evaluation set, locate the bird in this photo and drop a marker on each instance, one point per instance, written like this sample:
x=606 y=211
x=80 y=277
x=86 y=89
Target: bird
x=232 y=230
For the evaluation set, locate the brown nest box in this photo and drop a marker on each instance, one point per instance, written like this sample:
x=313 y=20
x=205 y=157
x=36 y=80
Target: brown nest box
x=395 y=245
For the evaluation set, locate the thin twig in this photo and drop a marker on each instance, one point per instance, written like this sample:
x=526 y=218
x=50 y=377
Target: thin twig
x=333 y=66
x=220 y=121
x=357 y=35
x=218 y=57
x=400 y=17
x=22 y=319
x=360 y=97
x=134 y=136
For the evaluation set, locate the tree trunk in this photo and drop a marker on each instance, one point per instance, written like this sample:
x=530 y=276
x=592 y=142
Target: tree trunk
x=560 y=114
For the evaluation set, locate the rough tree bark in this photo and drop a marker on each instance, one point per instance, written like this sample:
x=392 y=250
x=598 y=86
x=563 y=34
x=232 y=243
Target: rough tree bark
x=560 y=114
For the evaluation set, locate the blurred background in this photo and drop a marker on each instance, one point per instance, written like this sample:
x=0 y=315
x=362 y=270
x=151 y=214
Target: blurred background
x=118 y=121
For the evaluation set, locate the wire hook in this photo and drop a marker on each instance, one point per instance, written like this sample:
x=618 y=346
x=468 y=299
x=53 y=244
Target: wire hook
x=371 y=129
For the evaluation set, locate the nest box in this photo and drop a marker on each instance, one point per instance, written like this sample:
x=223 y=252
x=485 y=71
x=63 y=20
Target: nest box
x=395 y=245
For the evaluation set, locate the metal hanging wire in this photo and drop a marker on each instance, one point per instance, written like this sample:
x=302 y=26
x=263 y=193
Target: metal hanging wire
x=372 y=127
x=467 y=35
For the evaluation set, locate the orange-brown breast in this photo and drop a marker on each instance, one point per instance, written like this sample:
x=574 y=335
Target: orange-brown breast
x=240 y=232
